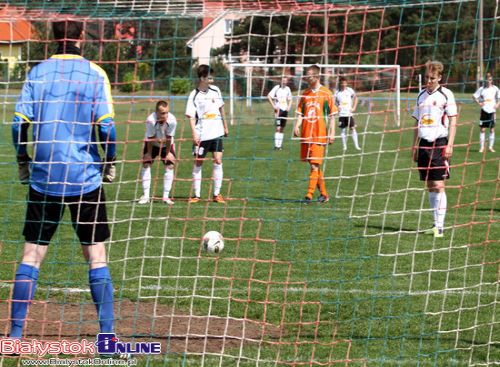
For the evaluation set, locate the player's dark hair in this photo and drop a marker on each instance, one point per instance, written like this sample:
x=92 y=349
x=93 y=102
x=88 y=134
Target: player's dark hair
x=203 y=71
x=67 y=31
x=161 y=103
x=342 y=79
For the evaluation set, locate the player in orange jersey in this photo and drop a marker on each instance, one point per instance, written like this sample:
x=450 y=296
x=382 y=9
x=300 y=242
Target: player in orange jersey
x=316 y=106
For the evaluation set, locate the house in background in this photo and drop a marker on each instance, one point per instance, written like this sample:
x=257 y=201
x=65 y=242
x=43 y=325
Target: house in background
x=221 y=16
x=214 y=32
x=15 y=31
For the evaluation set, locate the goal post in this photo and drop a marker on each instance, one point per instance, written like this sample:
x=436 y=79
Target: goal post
x=393 y=88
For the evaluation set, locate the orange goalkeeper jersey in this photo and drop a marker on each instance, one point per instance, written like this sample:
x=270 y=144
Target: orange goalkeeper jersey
x=316 y=106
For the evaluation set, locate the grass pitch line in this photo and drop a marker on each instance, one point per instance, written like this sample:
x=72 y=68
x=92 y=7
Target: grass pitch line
x=308 y=290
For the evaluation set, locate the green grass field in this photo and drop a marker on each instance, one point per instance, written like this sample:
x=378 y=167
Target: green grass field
x=351 y=282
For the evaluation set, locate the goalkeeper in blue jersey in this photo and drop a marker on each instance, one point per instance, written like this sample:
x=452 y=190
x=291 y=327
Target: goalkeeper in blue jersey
x=67 y=102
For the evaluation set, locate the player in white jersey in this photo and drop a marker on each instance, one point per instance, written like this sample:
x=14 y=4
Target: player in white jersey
x=280 y=98
x=346 y=101
x=205 y=110
x=159 y=140
x=436 y=119
x=488 y=97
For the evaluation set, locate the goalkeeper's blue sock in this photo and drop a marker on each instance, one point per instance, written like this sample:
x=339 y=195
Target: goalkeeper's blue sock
x=24 y=291
x=101 y=289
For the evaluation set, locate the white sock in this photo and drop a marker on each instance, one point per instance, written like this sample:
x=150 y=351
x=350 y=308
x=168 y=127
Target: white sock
x=433 y=196
x=278 y=137
x=146 y=180
x=218 y=174
x=344 y=138
x=354 y=136
x=197 y=180
x=441 y=203
x=492 y=139
x=482 y=137
x=168 y=179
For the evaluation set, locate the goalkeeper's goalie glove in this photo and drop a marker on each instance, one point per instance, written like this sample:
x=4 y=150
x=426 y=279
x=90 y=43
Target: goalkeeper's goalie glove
x=23 y=168
x=109 y=170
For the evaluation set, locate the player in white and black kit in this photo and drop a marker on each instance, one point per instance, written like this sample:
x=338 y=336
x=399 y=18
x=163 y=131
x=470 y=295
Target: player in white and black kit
x=488 y=97
x=159 y=140
x=280 y=98
x=346 y=101
x=436 y=119
x=205 y=110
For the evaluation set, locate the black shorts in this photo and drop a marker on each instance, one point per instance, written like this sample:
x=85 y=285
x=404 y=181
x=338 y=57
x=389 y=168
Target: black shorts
x=344 y=121
x=88 y=216
x=487 y=120
x=162 y=152
x=432 y=165
x=281 y=119
x=213 y=145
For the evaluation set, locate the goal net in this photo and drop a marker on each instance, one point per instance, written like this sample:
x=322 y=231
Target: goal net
x=254 y=81
x=351 y=282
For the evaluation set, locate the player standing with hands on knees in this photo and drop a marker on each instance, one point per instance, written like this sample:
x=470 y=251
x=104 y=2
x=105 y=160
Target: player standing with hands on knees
x=205 y=110
x=159 y=140
x=68 y=101
x=435 y=129
x=315 y=108
x=280 y=98
x=488 y=98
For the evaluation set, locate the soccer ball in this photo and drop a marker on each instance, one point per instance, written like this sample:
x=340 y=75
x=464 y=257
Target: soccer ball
x=213 y=242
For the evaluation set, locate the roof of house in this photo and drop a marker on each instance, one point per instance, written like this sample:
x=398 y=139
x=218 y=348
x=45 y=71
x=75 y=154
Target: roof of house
x=14 y=28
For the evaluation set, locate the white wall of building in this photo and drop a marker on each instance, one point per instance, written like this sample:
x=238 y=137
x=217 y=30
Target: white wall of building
x=210 y=37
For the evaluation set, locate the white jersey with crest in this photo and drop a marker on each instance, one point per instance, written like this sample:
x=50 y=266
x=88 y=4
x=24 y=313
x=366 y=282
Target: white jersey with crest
x=344 y=99
x=205 y=106
x=281 y=96
x=489 y=96
x=156 y=130
x=432 y=111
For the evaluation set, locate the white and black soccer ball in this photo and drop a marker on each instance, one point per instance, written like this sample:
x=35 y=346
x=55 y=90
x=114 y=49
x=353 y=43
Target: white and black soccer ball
x=213 y=242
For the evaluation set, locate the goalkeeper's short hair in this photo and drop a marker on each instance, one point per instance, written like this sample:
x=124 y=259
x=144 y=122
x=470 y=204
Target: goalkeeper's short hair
x=67 y=30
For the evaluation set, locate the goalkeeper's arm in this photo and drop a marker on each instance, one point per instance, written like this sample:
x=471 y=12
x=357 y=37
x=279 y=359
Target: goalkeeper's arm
x=20 y=128
x=20 y=135
x=107 y=136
